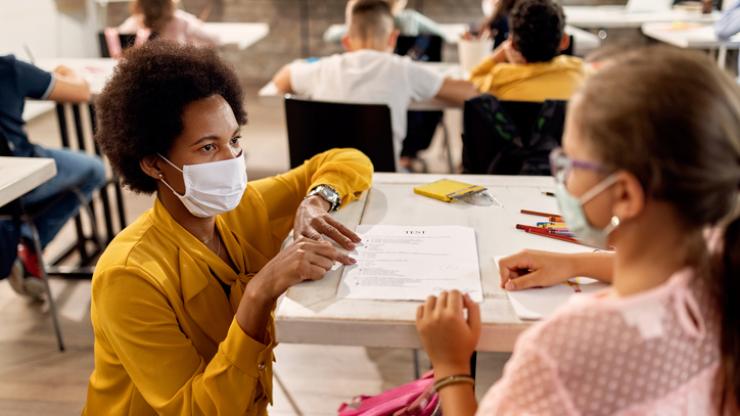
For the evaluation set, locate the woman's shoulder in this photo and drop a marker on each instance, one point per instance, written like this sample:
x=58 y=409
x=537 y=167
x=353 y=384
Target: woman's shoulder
x=137 y=251
x=594 y=342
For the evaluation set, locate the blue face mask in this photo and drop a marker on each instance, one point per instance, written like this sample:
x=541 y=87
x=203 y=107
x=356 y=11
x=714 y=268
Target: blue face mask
x=574 y=215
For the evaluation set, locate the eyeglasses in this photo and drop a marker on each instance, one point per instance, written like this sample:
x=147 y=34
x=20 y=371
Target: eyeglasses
x=561 y=165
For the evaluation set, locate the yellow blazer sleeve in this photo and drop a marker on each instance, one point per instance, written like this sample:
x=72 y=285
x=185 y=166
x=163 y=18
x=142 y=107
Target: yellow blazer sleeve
x=481 y=75
x=348 y=171
x=142 y=329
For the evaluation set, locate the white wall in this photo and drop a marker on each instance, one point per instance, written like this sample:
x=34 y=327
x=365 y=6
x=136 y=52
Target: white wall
x=50 y=28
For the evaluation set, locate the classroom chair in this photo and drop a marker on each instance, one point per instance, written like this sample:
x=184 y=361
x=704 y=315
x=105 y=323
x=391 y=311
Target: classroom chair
x=571 y=47
x=75 y=135
x=426 y=48
x=510 y=137
x=125 y=41
x=20 y=213
x=317 y=126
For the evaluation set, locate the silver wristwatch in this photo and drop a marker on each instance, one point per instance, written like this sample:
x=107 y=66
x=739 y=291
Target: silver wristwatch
x=328 y=194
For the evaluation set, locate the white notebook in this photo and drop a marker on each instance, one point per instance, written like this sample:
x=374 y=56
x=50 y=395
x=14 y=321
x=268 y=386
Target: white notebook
x=539 y=303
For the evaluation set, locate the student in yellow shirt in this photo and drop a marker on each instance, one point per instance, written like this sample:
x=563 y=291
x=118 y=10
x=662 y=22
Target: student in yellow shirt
x=183 y=298
x=527 y=66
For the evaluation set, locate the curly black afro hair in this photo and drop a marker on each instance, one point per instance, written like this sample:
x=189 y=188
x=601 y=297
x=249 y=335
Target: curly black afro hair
x=140 y=110
x=536 y=28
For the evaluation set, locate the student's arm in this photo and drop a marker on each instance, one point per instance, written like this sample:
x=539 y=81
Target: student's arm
x=456 y=91
x=729 y=24
x=439 y=321
x=531 y=268
x=282 y=80
x=299 y=77
x=426 y=25
x=69 y=86
x=425 y=84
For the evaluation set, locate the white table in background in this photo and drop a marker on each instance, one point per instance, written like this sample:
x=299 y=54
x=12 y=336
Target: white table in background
x=617 y=17
x=243 y=35
x=311 y=313
x=451 y=31
x=584 y=41
x=270 y=91
x=20 y=175
x=692 y=36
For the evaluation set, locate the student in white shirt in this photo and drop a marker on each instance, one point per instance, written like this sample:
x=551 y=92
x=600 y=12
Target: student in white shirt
x=370 y=73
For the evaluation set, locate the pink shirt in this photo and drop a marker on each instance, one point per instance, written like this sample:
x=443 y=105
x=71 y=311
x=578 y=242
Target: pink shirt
x=182 y=28
x=653 y=353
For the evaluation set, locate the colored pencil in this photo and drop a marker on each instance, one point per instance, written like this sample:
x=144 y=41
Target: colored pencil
x=553 y=217
x=545 y=233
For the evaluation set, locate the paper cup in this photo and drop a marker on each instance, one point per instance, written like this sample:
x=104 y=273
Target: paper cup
x=472 y=52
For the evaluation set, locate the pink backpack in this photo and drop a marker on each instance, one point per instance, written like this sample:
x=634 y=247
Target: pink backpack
x=417 y=398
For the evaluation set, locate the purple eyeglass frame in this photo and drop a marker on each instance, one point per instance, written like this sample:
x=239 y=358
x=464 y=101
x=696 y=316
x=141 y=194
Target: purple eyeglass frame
x=558 y=159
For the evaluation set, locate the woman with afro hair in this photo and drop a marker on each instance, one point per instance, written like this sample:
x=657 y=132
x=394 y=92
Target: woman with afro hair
x=183 y=298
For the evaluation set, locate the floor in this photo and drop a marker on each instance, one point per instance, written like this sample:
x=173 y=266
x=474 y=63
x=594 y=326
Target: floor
x=36 y=379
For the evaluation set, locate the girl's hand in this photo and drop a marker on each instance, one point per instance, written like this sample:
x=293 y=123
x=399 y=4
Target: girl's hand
x=313 y=219
x=531 y=268
x=448 y=338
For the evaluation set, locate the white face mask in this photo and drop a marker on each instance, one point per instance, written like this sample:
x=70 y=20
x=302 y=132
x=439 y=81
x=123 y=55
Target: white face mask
x=575 y=216
x=212 y=188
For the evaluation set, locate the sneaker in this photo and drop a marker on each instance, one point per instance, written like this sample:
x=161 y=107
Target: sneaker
x=30 y=259
x=17 y=278
x=25 y=285
x=33 y=285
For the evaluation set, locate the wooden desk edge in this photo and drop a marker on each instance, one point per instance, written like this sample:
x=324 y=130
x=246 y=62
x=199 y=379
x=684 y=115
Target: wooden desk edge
x=383 y=334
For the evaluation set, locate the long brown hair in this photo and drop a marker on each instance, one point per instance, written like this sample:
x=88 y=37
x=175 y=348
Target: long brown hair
x=156 y=12
x=672 y=118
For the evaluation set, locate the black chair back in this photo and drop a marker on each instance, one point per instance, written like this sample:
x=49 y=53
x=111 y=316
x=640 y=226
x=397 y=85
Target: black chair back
x=317 y=126
x=127 y=41
x=510 y=137
x=427 y=48
x=10 y=215
x=571 y=46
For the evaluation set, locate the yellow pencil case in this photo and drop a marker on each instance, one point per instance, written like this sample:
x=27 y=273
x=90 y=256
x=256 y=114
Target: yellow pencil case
x=447 y=190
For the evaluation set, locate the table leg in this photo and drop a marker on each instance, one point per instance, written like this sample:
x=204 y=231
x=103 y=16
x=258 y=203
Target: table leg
x=722 y=57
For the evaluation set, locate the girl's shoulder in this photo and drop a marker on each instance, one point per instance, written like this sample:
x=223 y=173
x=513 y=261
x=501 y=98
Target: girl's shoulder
x=647 y=346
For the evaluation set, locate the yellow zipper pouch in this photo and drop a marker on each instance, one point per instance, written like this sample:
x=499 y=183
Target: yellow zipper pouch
x=448 y=190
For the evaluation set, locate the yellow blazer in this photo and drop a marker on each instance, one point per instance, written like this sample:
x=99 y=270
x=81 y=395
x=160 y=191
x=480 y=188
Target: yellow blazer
x=166 y=341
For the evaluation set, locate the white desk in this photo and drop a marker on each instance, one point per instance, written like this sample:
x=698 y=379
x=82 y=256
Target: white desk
x=311 y=312
x=584 y=41
x=35 y=108
x=617 y=17
x=451 y=31
x=270 y=92
x=691 y=36
x=243 y=35
x=20 y=175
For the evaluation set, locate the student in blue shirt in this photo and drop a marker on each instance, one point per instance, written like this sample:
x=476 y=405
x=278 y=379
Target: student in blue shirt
x=729 y=24
x=20 y=80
